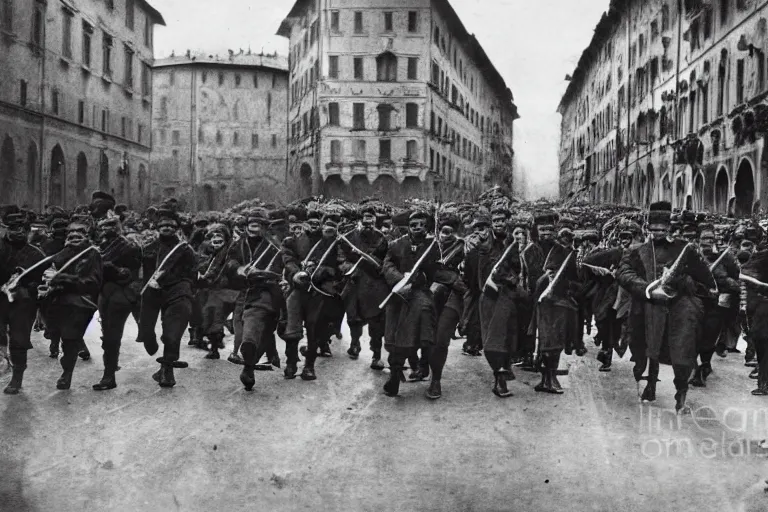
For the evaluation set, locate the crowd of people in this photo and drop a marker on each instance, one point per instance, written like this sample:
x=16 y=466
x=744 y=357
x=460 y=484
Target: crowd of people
x=520 y=284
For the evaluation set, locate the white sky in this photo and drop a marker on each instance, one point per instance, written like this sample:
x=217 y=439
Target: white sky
x=533 y=44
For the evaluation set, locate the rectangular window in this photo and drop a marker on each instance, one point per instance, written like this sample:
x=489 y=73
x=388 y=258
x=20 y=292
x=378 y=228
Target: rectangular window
x=37 y=24
x=411 y=150
x=358 y=65
x=359 y=150
x=146 y=79
x=411 y=115
x=436 y=74
x=740 y=81
x=66 y=36
x=106 y=55
x=128 y=82
x=385 y=117
x=148 y=32
x=413 y=21
x=237 y=80
x=333 y=114
x=81 y=112
x=123 y=125
x=87 y=35
x=385 y=150
x=274 y=81
x=254 y=140
x=274 y=140
x=335 y=21
x=221 y=79
x=140 y=138
x=724 y=12
x=387 y=22
x=55 y=102
x=6 y=22
x=358 y=116
x=358 y=22
x=413 y=67
x=335 y=151
x=705 y=103
x=130 y=13
x=333 y=66
x=176 y=138
x=104 y=120
x=23 y=93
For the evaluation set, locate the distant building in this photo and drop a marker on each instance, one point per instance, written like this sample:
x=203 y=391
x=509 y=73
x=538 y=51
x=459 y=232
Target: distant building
x=669 y=102
x=219 y=129
x=75 y=100
x=396 y=100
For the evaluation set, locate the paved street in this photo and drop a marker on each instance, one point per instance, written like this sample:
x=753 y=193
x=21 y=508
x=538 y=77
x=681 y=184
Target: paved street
x=339 y=444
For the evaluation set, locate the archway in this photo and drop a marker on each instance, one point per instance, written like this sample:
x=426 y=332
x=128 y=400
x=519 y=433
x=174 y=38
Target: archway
x=679 y=192
x=721 y=191
x=642 y=186
x=32 y=174
x=7 y=170
x=142 y=183
x=386 y=188
x=104 y=172
x=82 y=179
x=689 y=202
x=305 y=180
x=666 y=188
x=412 y=187
x=631 y=190
x=359 y=187
x=698 y=192
x=58 y=177
x=334 y=186
x=650 y=185
x=744 y=189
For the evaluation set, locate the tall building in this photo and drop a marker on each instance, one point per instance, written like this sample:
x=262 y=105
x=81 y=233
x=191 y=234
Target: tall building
x=394 y=99
x=219 y=129
x=669 y=102
x=75 y=100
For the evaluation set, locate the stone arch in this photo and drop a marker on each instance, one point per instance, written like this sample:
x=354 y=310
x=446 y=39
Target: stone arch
x=721 y=190
x=334 y=186
x=305 y=180
x=412 y=187
x=81 y=179
x=58 y=177
x=744 y=189
x=143 y=190
x=359 y=187
x=104 y=172
x=698 y=192
x=386 y=188
x=32 y=166
x=7 y=170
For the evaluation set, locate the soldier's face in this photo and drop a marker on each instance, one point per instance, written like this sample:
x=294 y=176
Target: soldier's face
x=369 y=221
x=313 y=226
x=546 y=232
x=447 y=234
x=625 y=241
x=297 y=229
x=707 y=243
x=658 y=231
x=417 y=228
x=329 y=231
x=255 y=229
x=499 y=224
x=483 y=232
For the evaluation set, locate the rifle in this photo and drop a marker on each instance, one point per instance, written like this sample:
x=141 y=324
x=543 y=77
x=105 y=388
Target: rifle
x=550 y=288
x=408 y=277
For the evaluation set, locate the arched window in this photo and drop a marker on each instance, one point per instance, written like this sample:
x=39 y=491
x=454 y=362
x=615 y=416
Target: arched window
x=386 y=67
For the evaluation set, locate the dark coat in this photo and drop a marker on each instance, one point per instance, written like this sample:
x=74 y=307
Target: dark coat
x=665 y=332
x=449 y=287
x=556 y=318
x=410 y=319
x=257 y=292
x=606 y=288
x=366 y=289
x=79 y=284
x=122 y=262
x=179 y=272
x=22 y=257
x=757 y=298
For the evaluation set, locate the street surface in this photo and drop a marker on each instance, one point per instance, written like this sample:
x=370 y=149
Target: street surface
x=339 y=444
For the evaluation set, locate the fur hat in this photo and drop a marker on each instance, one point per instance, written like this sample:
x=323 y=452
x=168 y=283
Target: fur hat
x=546 y=219
x=660 y=213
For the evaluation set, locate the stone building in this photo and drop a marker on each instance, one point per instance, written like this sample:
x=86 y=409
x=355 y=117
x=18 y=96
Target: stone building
x=393 y=98
x=669 y=102
x=75 y=100
x=219 y=129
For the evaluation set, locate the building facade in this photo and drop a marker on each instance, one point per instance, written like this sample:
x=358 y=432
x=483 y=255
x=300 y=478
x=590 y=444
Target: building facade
x=669 y=102
x=75 y=100
x=219 y=129
x=393 y=99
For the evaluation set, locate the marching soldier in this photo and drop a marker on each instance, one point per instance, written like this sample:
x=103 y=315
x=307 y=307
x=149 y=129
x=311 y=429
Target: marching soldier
x=169 y=266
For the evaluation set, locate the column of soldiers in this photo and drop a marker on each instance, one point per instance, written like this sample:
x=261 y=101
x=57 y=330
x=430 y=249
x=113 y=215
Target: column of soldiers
x=672 y=289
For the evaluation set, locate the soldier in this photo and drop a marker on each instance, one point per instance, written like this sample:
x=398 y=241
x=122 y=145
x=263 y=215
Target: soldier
x=17 y=313
x=667 y=318
x=169 y=266
x=410 y=314
x=120 y=293
x=365 y=289
x=70 y=294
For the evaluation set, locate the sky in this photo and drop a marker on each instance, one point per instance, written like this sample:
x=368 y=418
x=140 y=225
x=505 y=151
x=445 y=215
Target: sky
x=533 y=44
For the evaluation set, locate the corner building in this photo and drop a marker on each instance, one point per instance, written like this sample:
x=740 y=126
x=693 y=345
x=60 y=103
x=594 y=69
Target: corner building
x=669 y=102
x=219 y=129
x=75 y=100
x=393 y=99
